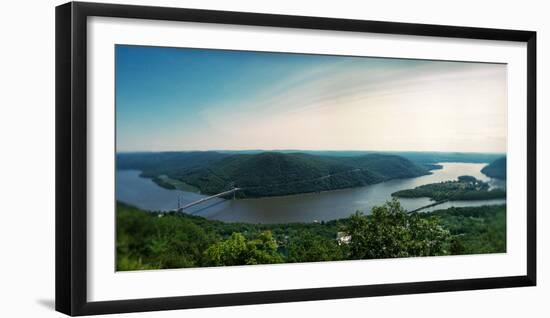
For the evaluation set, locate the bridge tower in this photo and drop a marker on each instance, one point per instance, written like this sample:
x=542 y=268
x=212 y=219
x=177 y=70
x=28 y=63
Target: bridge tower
x=232 y=186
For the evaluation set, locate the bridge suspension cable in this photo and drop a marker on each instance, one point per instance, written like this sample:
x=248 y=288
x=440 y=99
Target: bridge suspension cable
x=235 y=189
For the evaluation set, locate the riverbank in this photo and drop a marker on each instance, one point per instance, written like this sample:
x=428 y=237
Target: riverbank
x=322 y=206
x=268 y=173
x=463 y=189
x=429 y=206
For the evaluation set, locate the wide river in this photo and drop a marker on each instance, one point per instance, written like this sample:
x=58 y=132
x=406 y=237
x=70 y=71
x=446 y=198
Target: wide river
x=145 y=194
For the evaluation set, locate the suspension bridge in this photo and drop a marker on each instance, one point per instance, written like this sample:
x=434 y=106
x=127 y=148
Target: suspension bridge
x=235 y=189
x=221 y=194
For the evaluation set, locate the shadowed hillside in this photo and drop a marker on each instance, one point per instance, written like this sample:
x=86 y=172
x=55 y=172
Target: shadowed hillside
x=269 y=173
x=496 y=169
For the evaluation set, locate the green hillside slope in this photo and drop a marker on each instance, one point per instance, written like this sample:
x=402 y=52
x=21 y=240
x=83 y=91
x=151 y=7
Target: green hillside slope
x=465 y=188
x=496 y=169
x=270 y=173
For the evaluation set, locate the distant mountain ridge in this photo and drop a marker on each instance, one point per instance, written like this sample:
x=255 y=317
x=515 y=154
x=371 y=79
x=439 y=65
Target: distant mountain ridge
x=423 y=157
x=270 y=173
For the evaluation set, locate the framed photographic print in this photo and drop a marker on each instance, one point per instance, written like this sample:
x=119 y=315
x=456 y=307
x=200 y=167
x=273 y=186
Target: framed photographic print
x=210 y=158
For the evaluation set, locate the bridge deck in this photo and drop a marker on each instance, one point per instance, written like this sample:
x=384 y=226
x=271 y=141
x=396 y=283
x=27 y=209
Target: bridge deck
x=221 y=194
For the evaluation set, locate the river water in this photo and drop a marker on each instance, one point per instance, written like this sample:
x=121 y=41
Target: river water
x=311 y=207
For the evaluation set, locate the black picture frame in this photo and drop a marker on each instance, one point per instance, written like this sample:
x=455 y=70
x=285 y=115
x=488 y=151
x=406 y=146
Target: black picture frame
x=71 y=157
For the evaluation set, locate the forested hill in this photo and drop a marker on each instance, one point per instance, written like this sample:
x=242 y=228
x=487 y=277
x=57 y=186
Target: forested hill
x=465 y=188
x=268 y=173
x=496 y=169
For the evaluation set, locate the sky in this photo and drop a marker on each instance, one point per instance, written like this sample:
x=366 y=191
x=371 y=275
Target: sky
x=171 y=99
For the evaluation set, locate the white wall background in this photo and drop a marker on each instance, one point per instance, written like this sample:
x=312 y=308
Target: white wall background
x=27 y=158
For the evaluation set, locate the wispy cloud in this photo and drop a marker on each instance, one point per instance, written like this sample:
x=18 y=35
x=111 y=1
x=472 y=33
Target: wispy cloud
x=354 y=103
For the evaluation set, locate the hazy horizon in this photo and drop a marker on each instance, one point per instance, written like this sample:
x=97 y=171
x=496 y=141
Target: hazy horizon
x=171 y=99
x=309 y=150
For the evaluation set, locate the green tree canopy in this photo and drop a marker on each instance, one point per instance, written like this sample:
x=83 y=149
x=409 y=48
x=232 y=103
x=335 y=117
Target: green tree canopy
x=237 y=250
x=309 y=247
x=391 y=232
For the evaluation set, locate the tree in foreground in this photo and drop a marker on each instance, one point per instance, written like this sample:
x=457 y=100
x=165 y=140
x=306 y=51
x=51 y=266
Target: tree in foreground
x=237 y=250
x=390 y=231
x=309 y=247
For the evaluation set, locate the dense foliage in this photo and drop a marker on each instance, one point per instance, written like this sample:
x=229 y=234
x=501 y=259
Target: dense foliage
x=237 y=250
x=496 y=169
x=475 y=230
x=267 y=173
x=465 y=188
x=391 y=232
x=150 y=240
